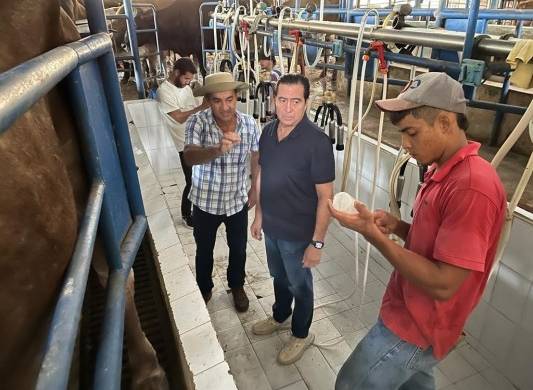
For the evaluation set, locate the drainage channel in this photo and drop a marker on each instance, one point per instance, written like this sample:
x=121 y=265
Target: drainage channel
x=154 y=318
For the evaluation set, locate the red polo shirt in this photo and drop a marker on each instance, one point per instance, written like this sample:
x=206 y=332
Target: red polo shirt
x=458 y=216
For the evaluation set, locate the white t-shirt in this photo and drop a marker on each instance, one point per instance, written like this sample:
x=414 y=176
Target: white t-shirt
x=172 y=98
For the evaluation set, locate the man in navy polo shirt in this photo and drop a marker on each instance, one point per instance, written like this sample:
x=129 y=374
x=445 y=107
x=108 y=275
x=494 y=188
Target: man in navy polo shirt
x=295 y=182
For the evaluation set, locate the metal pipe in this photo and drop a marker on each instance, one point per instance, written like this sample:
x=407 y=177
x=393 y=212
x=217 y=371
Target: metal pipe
x=507 y=108
x=97 y=24
x=473 y=12
x=23 y=85
x=410 y=36
x=447 y=13
x=498 y=118
x=134 y=47
x=55 y=368
x=109 y=357
x=452 y=68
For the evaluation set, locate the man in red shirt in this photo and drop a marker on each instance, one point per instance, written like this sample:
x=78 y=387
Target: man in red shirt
x=441 y=271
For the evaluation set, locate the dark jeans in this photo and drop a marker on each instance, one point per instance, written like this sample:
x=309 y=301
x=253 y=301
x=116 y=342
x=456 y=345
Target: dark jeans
x=291 y=281
x=186 y=206
x=205 y=230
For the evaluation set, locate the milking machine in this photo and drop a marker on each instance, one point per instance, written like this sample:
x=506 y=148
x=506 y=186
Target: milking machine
x=263 y=102
x=331 y=119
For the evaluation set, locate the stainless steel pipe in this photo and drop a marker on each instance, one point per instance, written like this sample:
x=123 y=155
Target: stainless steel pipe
x=437 y=39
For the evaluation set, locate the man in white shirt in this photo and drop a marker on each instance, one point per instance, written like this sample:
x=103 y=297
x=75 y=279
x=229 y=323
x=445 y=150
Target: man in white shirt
x=177 y=103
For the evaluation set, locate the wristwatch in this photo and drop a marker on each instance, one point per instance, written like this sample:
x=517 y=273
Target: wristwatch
x=317 y=244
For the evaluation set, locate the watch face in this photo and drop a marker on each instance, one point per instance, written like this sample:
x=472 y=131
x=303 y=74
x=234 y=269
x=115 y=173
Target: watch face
x=318 y=244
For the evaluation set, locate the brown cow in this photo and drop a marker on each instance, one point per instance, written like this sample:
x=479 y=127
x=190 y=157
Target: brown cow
x=43 y=192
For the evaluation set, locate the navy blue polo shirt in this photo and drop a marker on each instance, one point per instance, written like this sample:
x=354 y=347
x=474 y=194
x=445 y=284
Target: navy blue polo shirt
x=289 y=171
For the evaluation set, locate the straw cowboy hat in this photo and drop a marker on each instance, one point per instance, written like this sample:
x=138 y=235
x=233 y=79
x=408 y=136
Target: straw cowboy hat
x=219 y=82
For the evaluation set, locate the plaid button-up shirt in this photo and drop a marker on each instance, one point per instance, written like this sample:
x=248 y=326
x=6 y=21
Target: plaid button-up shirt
x=220 y=187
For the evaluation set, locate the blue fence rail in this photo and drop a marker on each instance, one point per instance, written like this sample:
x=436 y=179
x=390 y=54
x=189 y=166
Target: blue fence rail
x=114 y=207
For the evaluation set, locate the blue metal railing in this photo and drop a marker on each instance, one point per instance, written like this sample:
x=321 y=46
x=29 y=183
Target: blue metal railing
x=114 y=203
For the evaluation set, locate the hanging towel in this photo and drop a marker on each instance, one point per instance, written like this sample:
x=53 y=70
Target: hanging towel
x=520 y=60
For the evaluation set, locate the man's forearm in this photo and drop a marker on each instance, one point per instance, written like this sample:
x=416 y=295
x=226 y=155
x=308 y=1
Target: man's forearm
x=195 y=155
x=322 y=220
x=182 y=116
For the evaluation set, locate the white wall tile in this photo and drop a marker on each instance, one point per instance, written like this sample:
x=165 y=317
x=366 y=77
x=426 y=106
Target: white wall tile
x=300 y=385
x=517 y=254
x=497 y=380
x=189 y=312
x=477 y=320
x=215 y=378
x=519 y=366
x=497 y=333
x=475 y=382
x=201 y=348
x=179 y=283
x=510 y=293
x=527 y=320
x=455 y=367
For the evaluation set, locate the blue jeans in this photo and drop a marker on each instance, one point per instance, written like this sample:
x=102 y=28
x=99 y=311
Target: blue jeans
x=291 y=281
x=382 y=361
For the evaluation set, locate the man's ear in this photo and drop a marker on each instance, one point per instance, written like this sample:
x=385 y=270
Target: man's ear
x=444 y=121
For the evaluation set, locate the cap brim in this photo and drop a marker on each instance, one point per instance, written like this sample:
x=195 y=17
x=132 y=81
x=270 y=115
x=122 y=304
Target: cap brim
x=393 y=105
x=219 y=87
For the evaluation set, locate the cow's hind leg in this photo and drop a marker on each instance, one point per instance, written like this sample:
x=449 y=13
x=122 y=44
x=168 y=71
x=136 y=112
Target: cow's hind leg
x=146 y=372
x=144 y=366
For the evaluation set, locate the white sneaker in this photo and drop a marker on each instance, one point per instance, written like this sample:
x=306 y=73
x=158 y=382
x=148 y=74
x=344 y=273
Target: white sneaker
x=294 y=349
x=267 y=326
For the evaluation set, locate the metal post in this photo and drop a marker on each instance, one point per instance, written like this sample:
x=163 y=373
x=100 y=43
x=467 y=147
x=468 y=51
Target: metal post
x=473 y=12
x=132 y=36
x=439 y=20
x=57 y=361
x=498 y=118
x=109 y=357
x=97 y=24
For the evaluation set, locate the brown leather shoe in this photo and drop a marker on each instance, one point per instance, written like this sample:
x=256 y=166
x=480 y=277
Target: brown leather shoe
x=240 y=299
x=207 y=296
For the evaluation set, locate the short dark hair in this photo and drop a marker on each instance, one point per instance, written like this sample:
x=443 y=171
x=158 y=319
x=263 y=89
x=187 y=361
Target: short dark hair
x=262 y=57
x=292 y=79
x=428 y=114
x=184 y=65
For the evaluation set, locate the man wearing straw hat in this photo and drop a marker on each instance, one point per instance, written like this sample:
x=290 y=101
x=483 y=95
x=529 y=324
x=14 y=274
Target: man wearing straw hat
x=441 y=271
x=218 y=144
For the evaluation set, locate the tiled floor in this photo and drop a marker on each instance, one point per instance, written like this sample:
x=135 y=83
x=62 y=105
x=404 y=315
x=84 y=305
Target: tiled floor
x=252 y=359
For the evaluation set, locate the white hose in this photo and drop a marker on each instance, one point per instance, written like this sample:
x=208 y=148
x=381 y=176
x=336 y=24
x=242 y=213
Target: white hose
x=374 y=185
x=401 y=159
x=348 y=153
x=358 y=161
x=319 y=50
x=525 y=121
x=280 y=28
x=350 y=126
x=215 y=55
